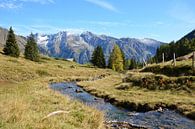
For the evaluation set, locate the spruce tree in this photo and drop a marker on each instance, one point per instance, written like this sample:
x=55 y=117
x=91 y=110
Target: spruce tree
x=11 y=47
x=116 y=61
x=98 y=58
x=31 y=49
x=133 y=64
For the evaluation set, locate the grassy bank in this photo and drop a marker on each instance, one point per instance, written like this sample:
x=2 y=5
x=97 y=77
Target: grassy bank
x=25 y=97
x=138 y=98
x=182 y=68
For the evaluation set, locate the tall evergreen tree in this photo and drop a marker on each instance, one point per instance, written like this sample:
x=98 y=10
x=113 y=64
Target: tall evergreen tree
x=98 y=58
x=133 y=64
x=116 y=59
x=124 y=60
x=31 y=49
x=11 y=47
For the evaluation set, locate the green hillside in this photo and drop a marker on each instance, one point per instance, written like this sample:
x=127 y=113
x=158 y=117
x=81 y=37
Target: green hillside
x=182 y=47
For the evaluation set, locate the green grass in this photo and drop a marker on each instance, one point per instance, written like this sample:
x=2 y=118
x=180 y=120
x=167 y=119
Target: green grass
x=25 y=96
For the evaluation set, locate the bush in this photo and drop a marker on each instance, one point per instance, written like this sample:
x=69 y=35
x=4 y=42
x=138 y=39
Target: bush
x=42 y=73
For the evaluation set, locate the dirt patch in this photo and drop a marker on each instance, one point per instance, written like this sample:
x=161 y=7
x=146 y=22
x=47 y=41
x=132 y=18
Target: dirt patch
x=6 y=84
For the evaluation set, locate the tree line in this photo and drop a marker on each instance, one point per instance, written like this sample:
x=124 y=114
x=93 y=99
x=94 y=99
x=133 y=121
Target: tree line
x=116 y=62
x=180 y=48
x=11 y=47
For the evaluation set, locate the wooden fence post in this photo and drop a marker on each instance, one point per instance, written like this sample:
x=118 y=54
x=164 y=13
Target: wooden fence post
x=174 y=60
x=193 y=62
x=163 y=58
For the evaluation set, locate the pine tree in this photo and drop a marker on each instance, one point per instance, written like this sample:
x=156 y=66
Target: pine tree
x=98 y=58
x=11 y=47
x=124 y=60
x=133 y=64
x=31 y=49
x=116 y=59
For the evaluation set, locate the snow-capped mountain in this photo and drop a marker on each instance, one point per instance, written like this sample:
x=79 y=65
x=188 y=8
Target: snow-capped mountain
x=150 y=42
x=80 y=46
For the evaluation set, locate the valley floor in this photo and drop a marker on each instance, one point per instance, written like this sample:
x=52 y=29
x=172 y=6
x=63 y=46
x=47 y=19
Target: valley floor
x=25 y=96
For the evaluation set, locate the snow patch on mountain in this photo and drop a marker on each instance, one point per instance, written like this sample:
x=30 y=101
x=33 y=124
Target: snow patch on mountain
x=150 y=42
x=80 y=46
x=42 y=39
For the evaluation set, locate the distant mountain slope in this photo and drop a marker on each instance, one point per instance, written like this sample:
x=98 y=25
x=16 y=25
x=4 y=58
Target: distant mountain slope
x=80 y=46
x=3 y=36
x=189 y=36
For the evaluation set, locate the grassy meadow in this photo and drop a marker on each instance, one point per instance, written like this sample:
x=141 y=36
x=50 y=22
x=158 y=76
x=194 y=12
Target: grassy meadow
x=25 y=96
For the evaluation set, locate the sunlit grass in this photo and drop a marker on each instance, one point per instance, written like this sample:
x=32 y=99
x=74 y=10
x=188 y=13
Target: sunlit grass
x=108 y=86
x=25 y=96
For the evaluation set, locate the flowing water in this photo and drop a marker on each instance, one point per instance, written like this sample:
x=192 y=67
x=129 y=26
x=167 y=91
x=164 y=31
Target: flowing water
x=152 y=119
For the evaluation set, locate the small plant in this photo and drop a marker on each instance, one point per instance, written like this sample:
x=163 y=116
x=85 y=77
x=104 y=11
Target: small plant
x=42 y=73
x=13 y=60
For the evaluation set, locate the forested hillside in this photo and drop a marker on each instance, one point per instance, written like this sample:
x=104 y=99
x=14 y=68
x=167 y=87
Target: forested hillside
x=182 y=47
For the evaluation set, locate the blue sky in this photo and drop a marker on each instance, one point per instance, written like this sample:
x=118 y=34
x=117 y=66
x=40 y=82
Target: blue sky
x=164 y=20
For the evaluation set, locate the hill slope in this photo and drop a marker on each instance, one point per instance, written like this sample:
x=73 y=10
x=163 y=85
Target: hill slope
x=190 y=35
x=182 y=47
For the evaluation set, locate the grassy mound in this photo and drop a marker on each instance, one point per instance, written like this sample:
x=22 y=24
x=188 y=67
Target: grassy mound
x=160 y=82
x=183 y=68
x=170 y=70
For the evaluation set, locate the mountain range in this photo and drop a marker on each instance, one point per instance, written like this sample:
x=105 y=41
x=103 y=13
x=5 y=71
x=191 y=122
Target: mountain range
x=80 y=46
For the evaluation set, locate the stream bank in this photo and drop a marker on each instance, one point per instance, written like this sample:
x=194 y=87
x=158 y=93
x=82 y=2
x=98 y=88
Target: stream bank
x=117 y=117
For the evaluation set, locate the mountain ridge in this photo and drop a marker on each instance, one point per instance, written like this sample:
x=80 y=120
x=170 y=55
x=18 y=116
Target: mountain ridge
x=80 y=46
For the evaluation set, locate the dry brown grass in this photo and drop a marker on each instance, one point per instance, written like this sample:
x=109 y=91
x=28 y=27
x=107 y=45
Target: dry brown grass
x=184 y=101
x=25 y=97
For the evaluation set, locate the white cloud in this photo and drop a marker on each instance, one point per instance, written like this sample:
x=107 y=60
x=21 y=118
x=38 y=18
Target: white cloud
x=103 y=4
x=13 y=4
x=37 y=1
x=43 y=29
x=9 y=5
